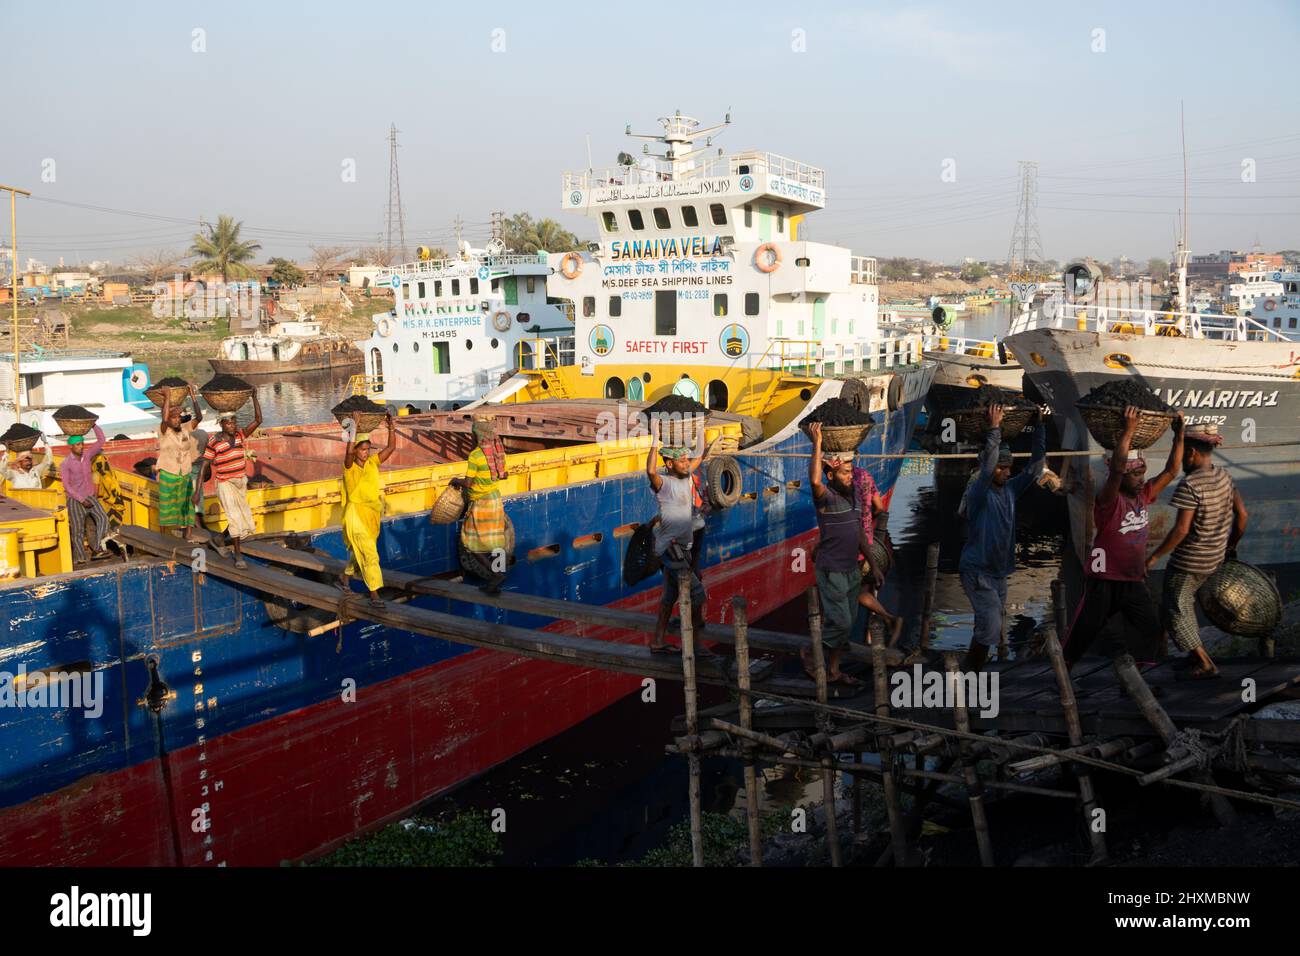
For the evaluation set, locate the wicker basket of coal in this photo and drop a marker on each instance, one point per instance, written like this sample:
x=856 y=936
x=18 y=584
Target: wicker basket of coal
x=844 y=426
x=172 y=386
x=1102 y=410
x=226 y=393
x=970 y=413
x=681 y=421
x=366 y=414
x=74 y=420
x=1241 y=599
x=20 y=437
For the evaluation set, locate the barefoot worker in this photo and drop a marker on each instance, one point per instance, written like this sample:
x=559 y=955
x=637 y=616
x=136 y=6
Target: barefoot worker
x=680 y=516
x=1211 y=520
x=225 y=459
x=483 y=530
x=79 y=486
x=176 y=453
x=871 y=505
x=1115 y=570
x=842 y=539
x=989 y=555
x=362 y=507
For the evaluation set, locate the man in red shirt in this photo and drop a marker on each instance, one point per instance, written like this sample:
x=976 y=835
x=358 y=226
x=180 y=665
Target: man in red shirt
x=225 y=460
x=1115 y=569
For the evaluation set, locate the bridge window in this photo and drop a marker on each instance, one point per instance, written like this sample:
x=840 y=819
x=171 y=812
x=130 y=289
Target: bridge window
x=588 y=306
x=615 y=306
x=661 y=218
x=666 y=312
x=751 y=303
x=614 y=388
x=689 y=216
x=717 y=395
x=718 y=213
x=437 y=288
x=635 y=220
x=530 y=284
x=455 y=287
x=780 y=220
x=749 y=215
x=420 y=290
x=473 y=286
x=720 y=303
x=611 y=221
x=406 y=290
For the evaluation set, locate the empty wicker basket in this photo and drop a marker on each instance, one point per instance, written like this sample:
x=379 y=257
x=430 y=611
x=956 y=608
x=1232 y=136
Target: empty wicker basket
x=1241 y=599
x=449 y=507
x=1106 y=424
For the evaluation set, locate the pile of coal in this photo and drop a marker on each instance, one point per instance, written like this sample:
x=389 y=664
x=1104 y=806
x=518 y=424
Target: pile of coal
x=987 y=395
x=74 y=412
x=226 y=383
x=358 y=403
x=1122 y=393
x=18 y=432
x=171 y=381
x=678 y=406
x=836 y=411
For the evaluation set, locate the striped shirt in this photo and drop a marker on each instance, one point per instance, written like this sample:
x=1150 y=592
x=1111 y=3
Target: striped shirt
x=479 y=475
x=227 y=456
x=1209 y=493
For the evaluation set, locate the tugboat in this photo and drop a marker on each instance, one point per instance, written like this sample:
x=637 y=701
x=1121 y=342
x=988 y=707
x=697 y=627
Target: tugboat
x=285 y=346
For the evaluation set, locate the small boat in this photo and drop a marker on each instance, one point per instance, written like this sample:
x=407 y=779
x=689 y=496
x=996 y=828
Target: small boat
x=285 y=346
x=110 y=384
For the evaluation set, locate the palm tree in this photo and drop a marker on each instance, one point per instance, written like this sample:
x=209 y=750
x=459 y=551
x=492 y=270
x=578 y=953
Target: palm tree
x=221 y=250
x=525 y=235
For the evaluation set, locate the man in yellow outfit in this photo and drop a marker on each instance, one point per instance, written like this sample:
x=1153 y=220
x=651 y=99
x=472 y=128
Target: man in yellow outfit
x=362 y=507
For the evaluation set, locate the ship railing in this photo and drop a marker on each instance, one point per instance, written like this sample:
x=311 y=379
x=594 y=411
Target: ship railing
x=430 y=266
x=538 y=354
x=1164 y=322
x=811 y=357
x=369 y=385
x=739 y=164
x=959 y=345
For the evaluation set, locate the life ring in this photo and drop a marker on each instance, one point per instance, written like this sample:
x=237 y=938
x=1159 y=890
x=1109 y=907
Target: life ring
x=895 y=395
x=386 y=326
x=1270 y=305
x=576 y=270
x=501 y=321
x=761 y=261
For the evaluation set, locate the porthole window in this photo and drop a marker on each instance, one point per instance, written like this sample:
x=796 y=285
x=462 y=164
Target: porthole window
x=415 y=346
x=469 y=343
x=394 y=348
x=645 y=377
x=521 y=317
x=495 y=343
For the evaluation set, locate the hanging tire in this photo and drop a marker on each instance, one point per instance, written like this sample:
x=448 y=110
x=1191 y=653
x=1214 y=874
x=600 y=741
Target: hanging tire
x=723 y=481
x=895 y=396
x=856 y=393
x=640 y=560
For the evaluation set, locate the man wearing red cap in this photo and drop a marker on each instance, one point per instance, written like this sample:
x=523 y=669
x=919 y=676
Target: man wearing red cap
x=1115 y=570
x=1211 y=520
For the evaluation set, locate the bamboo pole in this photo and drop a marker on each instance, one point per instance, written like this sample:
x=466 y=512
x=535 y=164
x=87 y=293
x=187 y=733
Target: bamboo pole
x=927 y=599
x=692 y=714
x=1070 y=707
x=973 y=785
x=897 y=832
x=1141 y=695
x=827 y=762
x=740 y=619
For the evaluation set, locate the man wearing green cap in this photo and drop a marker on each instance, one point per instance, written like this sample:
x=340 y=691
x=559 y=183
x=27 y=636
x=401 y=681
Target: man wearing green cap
x=79 y=486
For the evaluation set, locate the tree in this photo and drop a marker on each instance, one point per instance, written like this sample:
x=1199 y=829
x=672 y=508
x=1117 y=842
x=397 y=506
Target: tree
x=525 y=236
x=157 y=264
x=1158 y=269
x=286 y=273
x=375 y=256
x=974 y=271
x=324 y=258
x=220 y=249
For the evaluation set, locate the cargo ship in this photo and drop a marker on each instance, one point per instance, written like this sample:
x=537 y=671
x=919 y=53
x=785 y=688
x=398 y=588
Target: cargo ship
x=236 y=728
x=285 y=346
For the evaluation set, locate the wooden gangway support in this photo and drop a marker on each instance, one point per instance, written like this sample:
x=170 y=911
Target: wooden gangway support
x=510 y=639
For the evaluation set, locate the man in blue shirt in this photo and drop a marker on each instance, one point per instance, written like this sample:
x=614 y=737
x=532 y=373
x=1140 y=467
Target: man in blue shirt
x=989 y=555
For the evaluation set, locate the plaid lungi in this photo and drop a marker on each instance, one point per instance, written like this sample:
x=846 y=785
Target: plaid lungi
x=484 y=527
x=175 y=499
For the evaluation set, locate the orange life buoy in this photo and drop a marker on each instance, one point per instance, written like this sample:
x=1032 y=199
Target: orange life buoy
x=763 y=262
x=501 y=321
x=1270 y=305
x=576 y=260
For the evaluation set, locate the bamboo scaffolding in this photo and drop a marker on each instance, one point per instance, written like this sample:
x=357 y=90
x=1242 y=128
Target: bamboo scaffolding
x=692 y=713
x=972 y=779
x=897 y=832
x=740 y=621
x=827 y=762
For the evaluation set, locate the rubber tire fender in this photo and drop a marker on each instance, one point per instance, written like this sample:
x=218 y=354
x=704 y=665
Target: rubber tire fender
x=895 y=396
x=716 y=473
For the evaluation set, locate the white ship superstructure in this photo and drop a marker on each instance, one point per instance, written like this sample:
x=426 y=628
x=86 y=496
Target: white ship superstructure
x=460 y=325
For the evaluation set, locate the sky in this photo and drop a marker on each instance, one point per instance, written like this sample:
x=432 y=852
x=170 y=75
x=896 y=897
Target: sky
x=138 y=120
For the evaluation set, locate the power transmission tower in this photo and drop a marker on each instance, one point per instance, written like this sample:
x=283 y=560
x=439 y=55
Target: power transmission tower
x=395 y=214
x=1026 y=245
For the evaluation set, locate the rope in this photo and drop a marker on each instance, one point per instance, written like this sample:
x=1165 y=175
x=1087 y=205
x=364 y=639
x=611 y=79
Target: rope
x=971 y=455
x=1219 y=371
x=1190 y=740
x=1031 y=748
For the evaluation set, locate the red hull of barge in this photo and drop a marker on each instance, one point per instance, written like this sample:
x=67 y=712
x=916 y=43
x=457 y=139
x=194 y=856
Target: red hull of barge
x=295 y=785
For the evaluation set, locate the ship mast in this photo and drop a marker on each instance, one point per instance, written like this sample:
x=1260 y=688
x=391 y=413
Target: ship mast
x=1181 y=252
x=679 y=131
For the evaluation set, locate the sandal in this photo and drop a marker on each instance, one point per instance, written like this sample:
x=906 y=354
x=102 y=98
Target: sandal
x=1198 y=673
x=666 y=650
